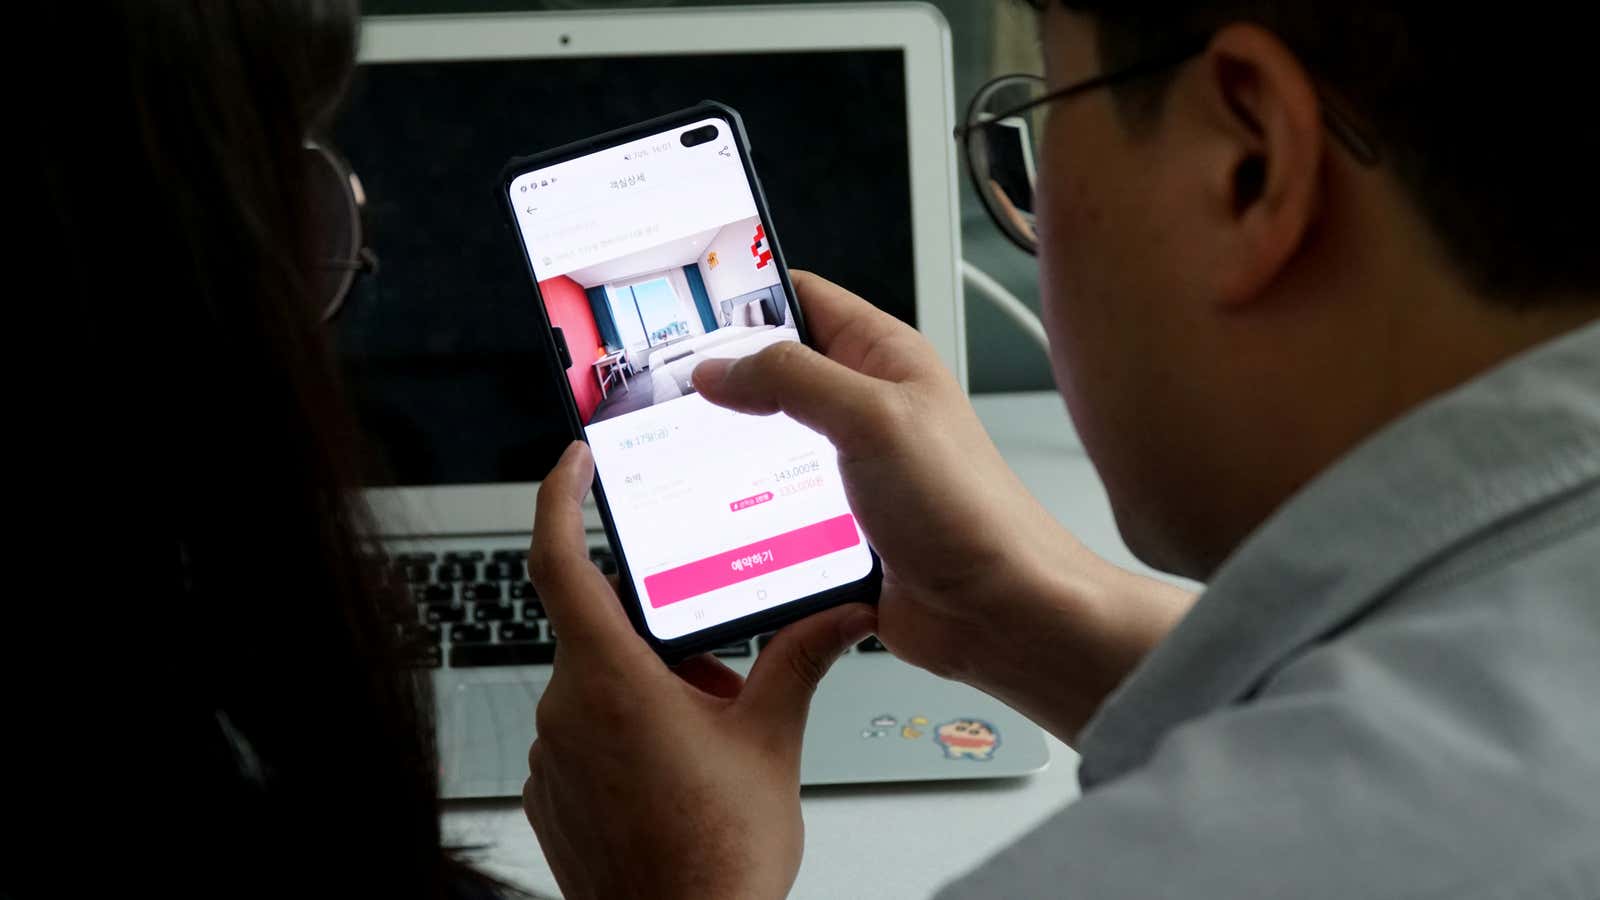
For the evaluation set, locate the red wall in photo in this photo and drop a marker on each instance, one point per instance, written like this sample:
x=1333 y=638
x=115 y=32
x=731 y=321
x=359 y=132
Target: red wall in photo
x=568 y=308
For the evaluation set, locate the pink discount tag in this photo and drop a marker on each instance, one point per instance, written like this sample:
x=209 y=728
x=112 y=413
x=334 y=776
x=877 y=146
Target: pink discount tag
x=748 y=502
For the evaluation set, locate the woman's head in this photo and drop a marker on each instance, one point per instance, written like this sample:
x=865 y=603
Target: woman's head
x=262 y=709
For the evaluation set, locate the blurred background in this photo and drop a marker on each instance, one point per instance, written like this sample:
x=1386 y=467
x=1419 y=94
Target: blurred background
x=988 y=38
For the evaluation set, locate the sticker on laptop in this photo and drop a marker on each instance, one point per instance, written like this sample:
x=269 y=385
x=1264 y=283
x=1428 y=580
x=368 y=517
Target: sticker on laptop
x=880 y=726
x=914 y=727
x=972 y=739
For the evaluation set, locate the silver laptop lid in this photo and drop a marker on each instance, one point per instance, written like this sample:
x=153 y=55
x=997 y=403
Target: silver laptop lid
x=849 y=111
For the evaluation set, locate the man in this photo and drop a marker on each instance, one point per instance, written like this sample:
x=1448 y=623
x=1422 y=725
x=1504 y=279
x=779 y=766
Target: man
x=1326 y=325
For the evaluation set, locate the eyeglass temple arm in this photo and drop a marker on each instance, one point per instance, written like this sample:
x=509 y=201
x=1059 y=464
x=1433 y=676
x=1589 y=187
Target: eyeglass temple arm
x=1339 y=122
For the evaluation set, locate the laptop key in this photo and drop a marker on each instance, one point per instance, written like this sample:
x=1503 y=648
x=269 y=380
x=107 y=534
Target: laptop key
x=477 y=655
x=511 y=554
x=492 y=612
x=457 y=571
x=532 y=610
x=414 y=573
x=516 y=631
x=435 y=593
x=415 y=557
x=871 y=645
x=435 y=613
x=413 y=633
x=523 y=591
x=469 y=634
x=733 y=650
x=419 y=645
x=461 y=556
x=503 y=570
x=482 y=592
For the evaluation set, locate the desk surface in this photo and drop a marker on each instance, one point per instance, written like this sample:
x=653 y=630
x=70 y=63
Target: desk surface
x=898 y=840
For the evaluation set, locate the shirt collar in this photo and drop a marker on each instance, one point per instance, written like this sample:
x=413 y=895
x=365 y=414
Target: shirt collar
x=1519 y=436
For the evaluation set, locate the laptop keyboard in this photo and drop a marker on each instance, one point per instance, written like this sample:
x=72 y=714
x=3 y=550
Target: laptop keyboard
x=476 y=608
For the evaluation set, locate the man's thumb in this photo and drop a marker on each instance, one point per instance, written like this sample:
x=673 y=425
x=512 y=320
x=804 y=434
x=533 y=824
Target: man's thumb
x=791 y=378
x=786 y=674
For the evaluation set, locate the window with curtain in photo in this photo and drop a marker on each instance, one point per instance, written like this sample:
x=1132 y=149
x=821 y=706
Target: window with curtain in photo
x=653 y=308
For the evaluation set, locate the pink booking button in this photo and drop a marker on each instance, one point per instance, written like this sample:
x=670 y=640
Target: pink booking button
x=787 y=549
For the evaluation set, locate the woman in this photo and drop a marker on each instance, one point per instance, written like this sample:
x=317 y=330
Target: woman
x=259 y=734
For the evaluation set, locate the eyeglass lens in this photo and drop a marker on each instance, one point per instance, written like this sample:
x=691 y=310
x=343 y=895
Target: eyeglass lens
x=337 y=223
x=1002 y=154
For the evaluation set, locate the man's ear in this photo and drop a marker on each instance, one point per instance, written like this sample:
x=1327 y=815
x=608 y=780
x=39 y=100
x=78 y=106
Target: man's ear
x=1261 y=107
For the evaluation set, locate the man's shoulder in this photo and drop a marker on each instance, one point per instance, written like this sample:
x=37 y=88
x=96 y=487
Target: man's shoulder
x=1548 y=555
x=1444 y=745
x=1313 y=790
x=1504 y=629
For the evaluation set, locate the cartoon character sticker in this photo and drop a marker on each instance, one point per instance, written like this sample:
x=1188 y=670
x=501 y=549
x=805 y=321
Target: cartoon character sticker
x=914 y=726
x=880 y=726
x=972 y=739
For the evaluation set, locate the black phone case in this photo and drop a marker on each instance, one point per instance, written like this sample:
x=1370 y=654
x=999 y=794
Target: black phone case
x=675 y=650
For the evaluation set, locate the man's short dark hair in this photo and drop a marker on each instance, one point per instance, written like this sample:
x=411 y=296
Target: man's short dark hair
x=1486 y=114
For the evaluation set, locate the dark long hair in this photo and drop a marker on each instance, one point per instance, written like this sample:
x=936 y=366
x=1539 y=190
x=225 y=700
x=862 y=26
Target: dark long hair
x=261 y=733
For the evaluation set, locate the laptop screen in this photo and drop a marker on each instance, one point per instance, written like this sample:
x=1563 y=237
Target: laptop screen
x=441 y=349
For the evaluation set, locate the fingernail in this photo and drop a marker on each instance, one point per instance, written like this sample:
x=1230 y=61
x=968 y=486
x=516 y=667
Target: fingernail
x=712 y=372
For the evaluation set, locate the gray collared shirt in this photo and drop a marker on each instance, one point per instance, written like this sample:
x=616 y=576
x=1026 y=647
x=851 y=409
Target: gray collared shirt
x=1392 y=689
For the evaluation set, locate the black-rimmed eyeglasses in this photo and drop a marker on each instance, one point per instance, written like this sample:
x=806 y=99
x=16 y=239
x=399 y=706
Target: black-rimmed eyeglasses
x=1000 y=137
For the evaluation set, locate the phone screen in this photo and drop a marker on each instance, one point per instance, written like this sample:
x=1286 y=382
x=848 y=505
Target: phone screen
x=651 y=257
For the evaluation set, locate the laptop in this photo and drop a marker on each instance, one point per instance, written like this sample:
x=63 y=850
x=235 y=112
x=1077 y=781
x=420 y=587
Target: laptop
x=849 y=110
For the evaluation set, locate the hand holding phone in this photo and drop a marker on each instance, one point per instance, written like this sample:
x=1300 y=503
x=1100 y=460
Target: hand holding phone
x=720 y=753
x=652 y=251
x=982 y=584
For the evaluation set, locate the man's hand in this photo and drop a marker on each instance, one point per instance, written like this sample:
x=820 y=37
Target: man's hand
x=980 y=583
x=650 y=782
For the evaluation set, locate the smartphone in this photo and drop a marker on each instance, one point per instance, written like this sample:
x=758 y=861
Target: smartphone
x=651 y=250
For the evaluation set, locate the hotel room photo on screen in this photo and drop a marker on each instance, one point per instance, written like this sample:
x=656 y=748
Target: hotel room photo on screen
x=636 y=326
